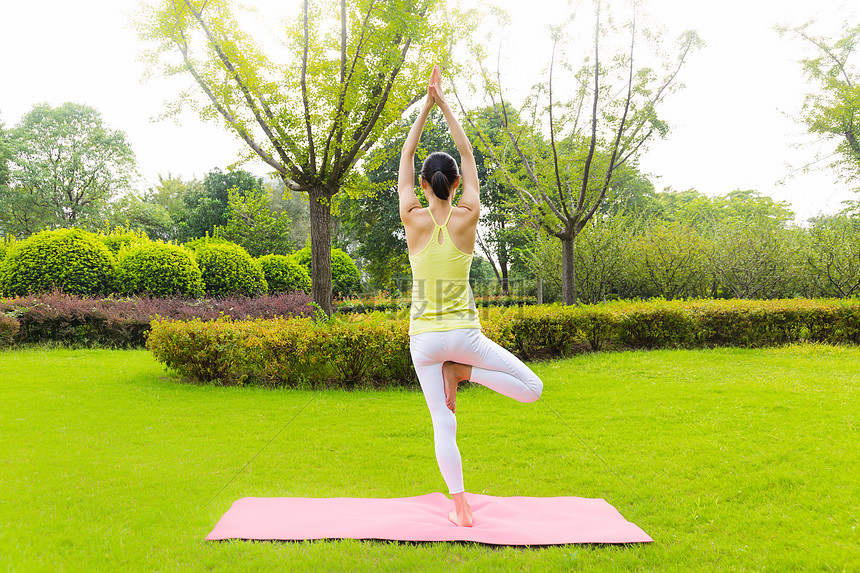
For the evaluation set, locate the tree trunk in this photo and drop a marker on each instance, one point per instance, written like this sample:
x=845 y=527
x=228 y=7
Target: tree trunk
x=320 y=212
x=503 y=266
x=539 y=291
x=568 y=275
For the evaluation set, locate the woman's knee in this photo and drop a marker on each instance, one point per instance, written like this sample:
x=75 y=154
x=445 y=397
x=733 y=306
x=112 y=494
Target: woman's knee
x=535 y=386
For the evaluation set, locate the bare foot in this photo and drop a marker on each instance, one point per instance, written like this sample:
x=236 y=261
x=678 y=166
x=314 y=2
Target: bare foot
x=462 y=514
x=452 y=374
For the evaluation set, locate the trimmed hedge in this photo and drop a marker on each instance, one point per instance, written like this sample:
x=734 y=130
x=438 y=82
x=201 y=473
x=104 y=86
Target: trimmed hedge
x=286 y=352
x=72 y=260
x=373 y=348
x=284 y=274
x=229 y=269
x=159 y=269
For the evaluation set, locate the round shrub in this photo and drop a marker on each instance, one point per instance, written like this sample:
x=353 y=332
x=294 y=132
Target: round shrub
x=228 y=269
x=71 y=260
x=345 y=278
x=159 y=269
x=284 y=274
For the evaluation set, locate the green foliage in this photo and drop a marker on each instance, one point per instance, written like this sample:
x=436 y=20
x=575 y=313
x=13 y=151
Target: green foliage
x=72 y=260
x=834 y=256
x=121 y=238
x=6 y=243
x=368 y=349
x=159 y=269
x=206 y=205
x=229 y=269
x=252 y=225
x=286 y=352
x=313 y=114
x=670 y=261
x=345 y=278
x=284 y=274
x=832 y=110
x=150 y=219
x=66 y=166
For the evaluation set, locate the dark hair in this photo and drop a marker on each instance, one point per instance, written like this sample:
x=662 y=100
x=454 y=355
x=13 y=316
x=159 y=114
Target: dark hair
x=440 y=170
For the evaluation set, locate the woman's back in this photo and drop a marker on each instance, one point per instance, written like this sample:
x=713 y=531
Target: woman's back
x=441 y=295
x=462 y=225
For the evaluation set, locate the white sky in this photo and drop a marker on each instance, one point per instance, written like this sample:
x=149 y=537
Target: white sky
x=732 y=127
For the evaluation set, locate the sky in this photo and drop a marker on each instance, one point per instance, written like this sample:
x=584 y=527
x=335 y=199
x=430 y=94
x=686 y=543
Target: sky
x=734 y=125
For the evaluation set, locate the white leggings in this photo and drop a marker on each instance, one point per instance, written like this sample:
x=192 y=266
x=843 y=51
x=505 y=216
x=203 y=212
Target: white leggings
x=492 y=366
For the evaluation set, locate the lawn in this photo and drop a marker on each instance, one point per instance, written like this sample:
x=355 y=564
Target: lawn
x=730 y=459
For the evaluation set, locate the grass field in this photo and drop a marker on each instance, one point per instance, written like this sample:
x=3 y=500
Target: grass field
x=730 y=459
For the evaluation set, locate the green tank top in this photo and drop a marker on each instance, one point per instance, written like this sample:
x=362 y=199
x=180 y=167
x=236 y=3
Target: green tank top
x=442 y=298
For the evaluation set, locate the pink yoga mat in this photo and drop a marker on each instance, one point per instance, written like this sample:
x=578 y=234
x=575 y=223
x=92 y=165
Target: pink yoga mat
x=498 y=520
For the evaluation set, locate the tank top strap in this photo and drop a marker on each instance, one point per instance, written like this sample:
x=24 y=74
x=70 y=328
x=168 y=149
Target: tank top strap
x=448 y=218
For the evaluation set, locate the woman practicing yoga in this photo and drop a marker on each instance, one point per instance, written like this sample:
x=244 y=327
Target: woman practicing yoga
x=446 y=342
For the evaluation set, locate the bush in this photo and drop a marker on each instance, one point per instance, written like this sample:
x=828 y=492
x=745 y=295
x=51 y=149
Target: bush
x=345 y=278
x=159 y=269
x=6 y=243
x=286 y=352
x=284 y=274
x=9 y=327
x=121 y=238
x=229 y=269
x=123 y=322
x=71 y=260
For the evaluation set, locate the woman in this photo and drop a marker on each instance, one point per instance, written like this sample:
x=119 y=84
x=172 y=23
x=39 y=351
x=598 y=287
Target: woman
x=446 y=342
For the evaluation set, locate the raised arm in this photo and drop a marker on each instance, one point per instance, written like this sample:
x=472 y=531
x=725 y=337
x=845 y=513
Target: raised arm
x=406 y=174
x=470 y=199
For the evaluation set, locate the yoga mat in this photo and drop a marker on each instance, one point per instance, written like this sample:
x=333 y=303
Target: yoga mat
x=497 y=520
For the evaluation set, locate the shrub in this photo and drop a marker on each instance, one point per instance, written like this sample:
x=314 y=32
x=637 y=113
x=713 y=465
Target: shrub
x=655 y=324
x=6 y=243
x=284 y=274
x=123 y=322
x=72 y=260
x=121 y=238
x=229 y=269
x=9 y=327
x=159 y=269
x=345 y=278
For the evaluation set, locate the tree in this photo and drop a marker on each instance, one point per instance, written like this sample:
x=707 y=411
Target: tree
x=133 y=213
x=312 y=116
x=670 y=261
x=65 y=167
x=833 y=112
x=206 y=205
x=603 y=126
x=834 y=255
x=253 y=226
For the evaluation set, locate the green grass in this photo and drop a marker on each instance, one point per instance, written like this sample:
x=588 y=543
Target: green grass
x=730 y=459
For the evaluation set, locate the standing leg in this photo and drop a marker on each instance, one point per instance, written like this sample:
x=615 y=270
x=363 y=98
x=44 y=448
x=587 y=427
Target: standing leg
x=423 y=348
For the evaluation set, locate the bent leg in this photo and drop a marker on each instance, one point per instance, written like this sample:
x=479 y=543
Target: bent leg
x=496 y=368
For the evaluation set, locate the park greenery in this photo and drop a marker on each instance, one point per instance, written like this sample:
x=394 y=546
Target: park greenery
x=566 y=214
x=732 y=441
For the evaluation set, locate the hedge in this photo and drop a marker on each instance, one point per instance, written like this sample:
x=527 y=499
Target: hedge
x=373 y=349
x=71 y=320
x=69 y=259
